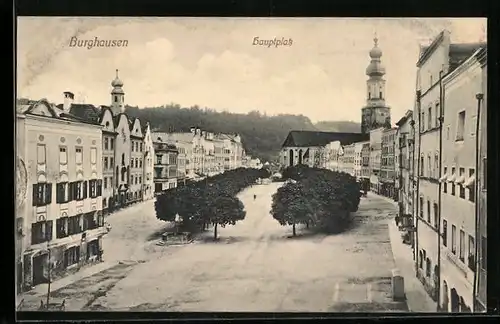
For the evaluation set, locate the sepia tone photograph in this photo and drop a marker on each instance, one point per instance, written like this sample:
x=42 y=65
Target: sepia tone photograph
x=251 y=164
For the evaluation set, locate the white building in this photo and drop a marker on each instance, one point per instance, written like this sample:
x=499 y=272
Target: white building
x=148 y=170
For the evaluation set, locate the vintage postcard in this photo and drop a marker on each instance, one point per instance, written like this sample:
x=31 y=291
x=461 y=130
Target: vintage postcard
x=251 y=164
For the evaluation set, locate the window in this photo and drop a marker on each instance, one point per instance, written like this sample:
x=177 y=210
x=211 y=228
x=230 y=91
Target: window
x=111 y=143
x=158 y=158
x=436 y=215
x=62 y=227
x=472 y=186
x=473 y=126
x=92 y=248
x=420 y=260
x=461 y=185
x=428 y=266
x=105 y=183
x=462 y=246
x=116 y=98
x=62 y=192
x=421 y=207
x=471 y=257
x=461 y=126
x=72 y=255
x=74 y=225
x=453 y=239
x=437 y=113
x=111 y=163
x=79 y=190
x=453 y=183
x=42 y=194
x=422 y=122
x=141 y=147
x=63 y=155
x=90 y=221
x=422 y=166
x=136 y=146
x=106 y=142
x=429 y=118
x=428 y=211
x=380 y=95
x=445 y=232
x=483 y=253
x=485 y=173
x=140 y=163
x=369 y=95
x=40 y=154
x=78 y=155
x=436 y=166
x=429 y=166
x=93 y=155
x=41 y=232
x=136 y=163
x=445 y=183
x=140 y=179
x=105 y=163
x=93 y=188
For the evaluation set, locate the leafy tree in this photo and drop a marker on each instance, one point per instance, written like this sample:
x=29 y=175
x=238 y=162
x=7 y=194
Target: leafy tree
x=225 y=210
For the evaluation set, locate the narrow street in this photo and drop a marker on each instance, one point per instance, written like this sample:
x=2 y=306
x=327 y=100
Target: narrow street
x=255 y=266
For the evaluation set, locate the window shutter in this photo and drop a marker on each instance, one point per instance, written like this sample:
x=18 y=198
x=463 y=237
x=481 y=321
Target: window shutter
x=48 y=230
x=99 y=187
x=48 y=193
x=35 y=194
x=71 y=191
x=84 y=189
x=59 y=193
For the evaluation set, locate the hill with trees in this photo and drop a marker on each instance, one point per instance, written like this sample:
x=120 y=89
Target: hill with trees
x=262 y=135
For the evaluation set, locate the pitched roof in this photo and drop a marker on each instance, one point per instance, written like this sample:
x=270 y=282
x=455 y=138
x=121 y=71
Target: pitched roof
x=87 y=112
x=311 y=138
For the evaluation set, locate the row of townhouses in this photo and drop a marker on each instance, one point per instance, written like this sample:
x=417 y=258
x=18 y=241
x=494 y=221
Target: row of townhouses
x=433 y=164
x=77 y=162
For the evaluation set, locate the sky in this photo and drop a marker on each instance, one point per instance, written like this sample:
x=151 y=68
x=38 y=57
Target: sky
x=212 y=62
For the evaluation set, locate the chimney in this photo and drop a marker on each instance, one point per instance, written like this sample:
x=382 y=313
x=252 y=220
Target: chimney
x=69 y=98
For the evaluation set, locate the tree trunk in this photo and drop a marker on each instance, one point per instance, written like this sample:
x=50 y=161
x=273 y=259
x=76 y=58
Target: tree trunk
x=294 y=233
x=215 y=232
x=307 y=224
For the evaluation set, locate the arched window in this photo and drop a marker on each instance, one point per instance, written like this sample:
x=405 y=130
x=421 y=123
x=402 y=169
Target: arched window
x=116 y=98
x=422 y=166
x=300 y=156
x=123 y=158
x=428 y=267
x=291 y=157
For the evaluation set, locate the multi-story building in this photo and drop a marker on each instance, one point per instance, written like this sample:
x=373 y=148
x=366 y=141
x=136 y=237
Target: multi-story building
x=184 y=141
x=404 y=167
x=148 y=164
x=458 y=202
x=219 y=154
x=358 y=160
x=437 y=60
x=375 y=113
x=59 y=215
x=375 y=158
x=387 y=168
x=118 y=134
x=365 y=165
x=232 y=150
x=301 y=147
x=136 y=161
x=347 y=159
x=165 y=165
x=332 y=155
x=209 y=165
x=481 y=187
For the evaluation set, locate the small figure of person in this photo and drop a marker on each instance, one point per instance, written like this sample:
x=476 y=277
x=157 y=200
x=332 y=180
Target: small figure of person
x=254 y=197
x=397 y=220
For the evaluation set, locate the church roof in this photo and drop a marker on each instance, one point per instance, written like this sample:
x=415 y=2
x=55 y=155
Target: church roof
x=312 y=138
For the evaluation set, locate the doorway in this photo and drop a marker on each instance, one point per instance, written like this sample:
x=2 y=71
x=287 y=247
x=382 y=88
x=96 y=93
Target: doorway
x=444 y=305
x=40 y=269
x=455 y=302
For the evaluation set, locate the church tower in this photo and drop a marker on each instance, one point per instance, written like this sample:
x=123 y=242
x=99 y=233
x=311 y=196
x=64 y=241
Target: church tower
x=117 y=96
x=376 y=113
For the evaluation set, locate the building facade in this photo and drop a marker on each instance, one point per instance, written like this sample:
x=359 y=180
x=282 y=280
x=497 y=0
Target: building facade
x=482 y=182
x=404 y=167
x=458 y=244
x=347 y=159
x=375 y=158
x=136 y=161
x=387 y=167
x=60 y=222
x=311 y=148
x=358 y=160
x=376 y=113
x=148 y=164
x=365 y=165
x=165 y=166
